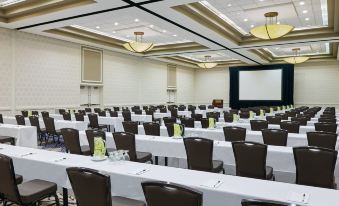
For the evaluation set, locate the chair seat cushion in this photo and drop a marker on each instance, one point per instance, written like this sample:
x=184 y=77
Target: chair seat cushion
x=35 y=190
x=58 y=132
x=18 y=179
x=122 y=201
x=6 y=139
x=144 y=157
x=217 y=166
x=269 y=172
x=85 y=150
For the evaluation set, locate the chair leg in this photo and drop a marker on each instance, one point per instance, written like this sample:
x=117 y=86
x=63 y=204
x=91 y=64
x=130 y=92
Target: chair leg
x=166 y=161
x=156 y=158
x=223 y=171
x=57 y=203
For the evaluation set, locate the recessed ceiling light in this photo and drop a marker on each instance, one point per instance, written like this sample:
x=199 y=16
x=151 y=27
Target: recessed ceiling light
x=302 y=3
x=164 y=31
x=252 y=26
x=136 y=20
x=277 y=48
x=116 y=23
x=174 y=35
x=245 y=19
x=229 y=5
x=151 y=25
x=307 y=19
x=98 y=27
x=305 y=12
x=114 y=32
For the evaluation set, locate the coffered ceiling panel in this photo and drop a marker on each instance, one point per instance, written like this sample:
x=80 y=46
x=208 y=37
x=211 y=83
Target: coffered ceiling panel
x=215 y=56
x=310 y=49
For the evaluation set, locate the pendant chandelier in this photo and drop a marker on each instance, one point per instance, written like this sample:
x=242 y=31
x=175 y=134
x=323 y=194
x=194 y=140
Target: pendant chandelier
x=207 y=64
x=271 y=30
x=296 y=59
x=138 y=46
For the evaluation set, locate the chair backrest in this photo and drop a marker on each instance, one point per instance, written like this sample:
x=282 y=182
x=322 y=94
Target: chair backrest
x=67 y=116
x=102 y=113
x=291 y=127
x=234 y=134
x=152 y=128
x=79 y=117
x=127 y=116
x=49 y=125
x=170 y=129
x=214 y=115
x=88 y=109
x=168 y=120
x=199 y=153
x=34 y=120
x=315 y=166
x=126 y=141
x=44 y=114
x=113 y=114
x=174 y=113
x=91 y=134
x=163 y=110
x=108 y=109
x=167 y=194
x=273 y=120
x=20 y=120
x=24 y=113
x=250 y=159
x=131 y=127
x=326 y=127
x=253 y=202
x=71 y=140
x=97 y=110
x=188 y=122
x=302 y=120
x=202 y=107
x=327 y=120
x=328 y=116
x=1 y=119
x=258 y=125
x=196 y=117
x=322 y=139
x=204 y=122
x=90 y=187
x=277 y=137
x=244 y=115
x=93 y=120
x=8 y=186
x=116 y=109
x=138 y=111
x=62 y=111
x=228 y=117
x=282 y=116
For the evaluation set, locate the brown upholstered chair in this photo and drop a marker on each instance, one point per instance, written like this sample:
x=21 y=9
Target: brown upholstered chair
x=116 y=109
x=89 y=110
x=7 y=140
x=170 y=129
x=62 y=111
x=1 y=119
x=315 y=166
x=20 y=120
x=91 y=188
x=282 y=116
x=199 y=153
x=138 y=111
x=27 y=193
x=328 y=116
x=50 y=129
x=302 y=120
x=94 y=122
x=151 y=112
x=326 y=127
x=72 y=142
x=79 y=117
x=290 y=127
x=327 y=120
x=126 y=141
x=234 y=134
x=34 y=120
x=97 y=110
x=91 y=134
x=276 y=137
x=252 y=202
x=250 y=160
x=24 y=113
x=228 y=117
x=204 y=122
x=67 y=116
x=44 y=114
x=202 y=107
x=188 y=122
x=163 y=110
x=152 y=128
x=131 y=127
x=168 y=194
x=127 y=116
x=196 y=117
x=214 y=115
x=244 y=115
x=102 y=113
x=113 y=114
x=322 y=139
x=258 y=125
x=168 y=120
x=273 y=120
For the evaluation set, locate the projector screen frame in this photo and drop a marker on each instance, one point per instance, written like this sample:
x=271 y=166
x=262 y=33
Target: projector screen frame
x=287 y=86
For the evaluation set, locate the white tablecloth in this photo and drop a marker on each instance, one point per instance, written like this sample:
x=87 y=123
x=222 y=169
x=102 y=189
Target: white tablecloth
x=25 y=136
x=124 y=183
x=140 y=117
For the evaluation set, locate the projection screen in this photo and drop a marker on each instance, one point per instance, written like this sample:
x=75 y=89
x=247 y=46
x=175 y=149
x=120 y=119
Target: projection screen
x=260 y=85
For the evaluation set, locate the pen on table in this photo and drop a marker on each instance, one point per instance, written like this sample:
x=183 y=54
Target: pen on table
x=216 y=183
x=304 y=196
x=26 y=154
x=142 y=171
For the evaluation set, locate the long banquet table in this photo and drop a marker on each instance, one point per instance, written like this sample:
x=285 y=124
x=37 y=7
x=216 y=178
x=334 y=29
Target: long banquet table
x=125 y=181
x=25 y=136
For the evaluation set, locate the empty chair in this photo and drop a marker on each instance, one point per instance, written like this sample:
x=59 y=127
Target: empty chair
x=234 y=134
x=94 y=123
x=258 y=125
x=328 y=116
x=273 y=120
x=44 y=114
x=214 y=115
x=116 y=109
x=228 y=117
x=145 y=107
x=302 y=120
x=204 y=123
x=277 y=137
x=131 y=127
x=89 y=110
x=20 y=120
x=93 y=133
x=126 y=141
x=102 y=113
x=199 y=153
x=79 y=117
x=152 y=128
x=72 y=142
x=188 y=122
x=108 y=109
x=291 y=114
x=202 y=107
x=291 y=127
x=168 y=194
x=34 y=120
x=35 y=113
x=97 y=110
x=174 y=113
x=250 y=202
x=62 y=111
x=244 y=115
x=127 y=116
x=196 y=117
x=168 y=120
x=24 y=113
x=326 y=127
x=163 y=110
x=27 y=193
x=315 y=166
x=282 y=116
x=234 y=111
x=151 y=112
x=322 y=139
x=67 y=116
x=327 y=120
x=91 y=188
x=138 y=111
x=113 y=114
x=170 y=129
x=250 y=160
x=50 y=129
x=210 y=107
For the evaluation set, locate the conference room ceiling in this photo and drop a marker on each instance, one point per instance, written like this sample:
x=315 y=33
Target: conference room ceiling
x=184 y=31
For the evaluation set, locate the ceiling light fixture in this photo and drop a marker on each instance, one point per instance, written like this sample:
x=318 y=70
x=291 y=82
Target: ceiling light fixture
x=138 y=46
x=271 y=30
x=116 y=24
x=296 y=59
x=207 y=64
x=301 y=3
x=307 y=19
x=97 y=27
x=136 y=20
x=305 y=12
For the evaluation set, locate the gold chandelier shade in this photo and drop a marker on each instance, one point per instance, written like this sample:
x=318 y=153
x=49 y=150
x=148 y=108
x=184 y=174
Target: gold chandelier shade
x=296 y=59
x=271 y=31
x=138 y=46
x=207 y=64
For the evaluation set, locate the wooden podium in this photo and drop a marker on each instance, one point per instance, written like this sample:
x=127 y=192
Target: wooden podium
x=218 y=103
